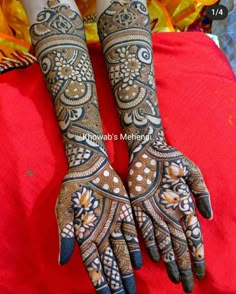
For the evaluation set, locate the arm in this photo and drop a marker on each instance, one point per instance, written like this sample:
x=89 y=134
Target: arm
x=161 y=179
x=93 y=206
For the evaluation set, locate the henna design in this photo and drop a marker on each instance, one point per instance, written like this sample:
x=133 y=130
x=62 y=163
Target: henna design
x=95 y=209
x=161 y=179
x=124 y=31
x=162 y=182
x=93 y=206
x=67 y=68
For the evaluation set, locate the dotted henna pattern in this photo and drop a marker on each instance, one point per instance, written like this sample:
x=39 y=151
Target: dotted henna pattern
x=161 y=179
x=93 y=206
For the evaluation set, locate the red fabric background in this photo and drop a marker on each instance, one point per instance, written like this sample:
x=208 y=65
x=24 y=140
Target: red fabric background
x=197 y=97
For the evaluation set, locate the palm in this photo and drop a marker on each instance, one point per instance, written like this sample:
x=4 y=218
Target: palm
x=161 y=183
x=94 y=208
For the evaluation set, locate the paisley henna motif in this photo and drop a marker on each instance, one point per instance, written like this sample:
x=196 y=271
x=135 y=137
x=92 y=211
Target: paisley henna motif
x=125 y=35
x=93 y=206
x=95 y=209
x=161 y=180
x=161 y=194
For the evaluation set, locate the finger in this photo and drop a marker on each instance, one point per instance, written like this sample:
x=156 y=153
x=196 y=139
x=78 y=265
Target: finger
x=192 y=229
x=181 y=251
x=65 y=216
x=130 y=234
x=148 y=233
x=111 y=271
x=122 y=256
x=199 y=190
x=163 y=239
x=194 y=236
x=93 y=266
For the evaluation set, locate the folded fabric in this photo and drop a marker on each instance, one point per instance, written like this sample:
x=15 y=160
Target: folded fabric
x=197 y=97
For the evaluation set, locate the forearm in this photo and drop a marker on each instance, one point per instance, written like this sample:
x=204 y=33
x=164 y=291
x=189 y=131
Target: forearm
x=58 y=37
x=124 y=30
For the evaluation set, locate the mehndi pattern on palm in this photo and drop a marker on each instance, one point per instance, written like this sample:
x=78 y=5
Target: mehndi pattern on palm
x=93 y=206
x=161 y=179
x=101 y=220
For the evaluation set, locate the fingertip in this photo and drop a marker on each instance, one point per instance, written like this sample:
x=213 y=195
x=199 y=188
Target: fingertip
x=200 y=270
x=187 y=280
x=66 y=249
x=129 y=284
x=204 y=206
x=153 y=253
x=136 y=259
x=173 y=272
x=104 y=290
x=212 y=217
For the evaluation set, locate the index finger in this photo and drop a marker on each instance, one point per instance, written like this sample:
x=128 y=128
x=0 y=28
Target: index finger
x=65 y=216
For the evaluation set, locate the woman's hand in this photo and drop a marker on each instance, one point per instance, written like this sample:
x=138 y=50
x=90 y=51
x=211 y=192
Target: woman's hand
x=161 y=183
x=93 y=208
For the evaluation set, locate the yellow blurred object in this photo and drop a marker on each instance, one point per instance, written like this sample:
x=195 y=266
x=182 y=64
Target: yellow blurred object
x=165 y=15
x=9 y=45
x=207 y=2
x=159 y=16
x=4 y=28
x=184 y=12
x=14 y=29
x=17 y=19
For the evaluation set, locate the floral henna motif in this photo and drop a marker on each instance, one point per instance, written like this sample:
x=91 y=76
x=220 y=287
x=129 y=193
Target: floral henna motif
x=124 y=31
x=84 y=205
x=162 y=182
x=93 y=206
x=62 y=53
x=161 y=179
x=100 y=218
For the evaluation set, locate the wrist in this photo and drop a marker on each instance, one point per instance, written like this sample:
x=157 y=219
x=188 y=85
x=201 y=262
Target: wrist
x=83 y=152
x=140 y=139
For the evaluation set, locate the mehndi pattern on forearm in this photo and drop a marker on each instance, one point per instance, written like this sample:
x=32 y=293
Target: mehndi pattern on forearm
x=124 y=30
x=161 y=179
x=93 y=206
x=60 y=46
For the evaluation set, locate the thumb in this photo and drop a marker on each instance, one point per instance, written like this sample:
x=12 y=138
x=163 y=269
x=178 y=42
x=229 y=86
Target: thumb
x=65 y=217
x=199 y=190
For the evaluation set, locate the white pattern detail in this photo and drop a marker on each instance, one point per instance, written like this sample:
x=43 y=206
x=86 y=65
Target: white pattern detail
x=126 y=213
x=68 y=231
x=106 y=186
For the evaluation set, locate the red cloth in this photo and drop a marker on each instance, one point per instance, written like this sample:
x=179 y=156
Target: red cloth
x=197 y=97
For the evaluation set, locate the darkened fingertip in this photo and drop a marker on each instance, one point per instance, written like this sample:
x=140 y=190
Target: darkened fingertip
x=200 y=270
x=204 y=206
x=66 y=250
x=104 y=290
x=153 y=253
x=136 y=259
x=187 y=280
x=129 y=284
x=173 y=271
